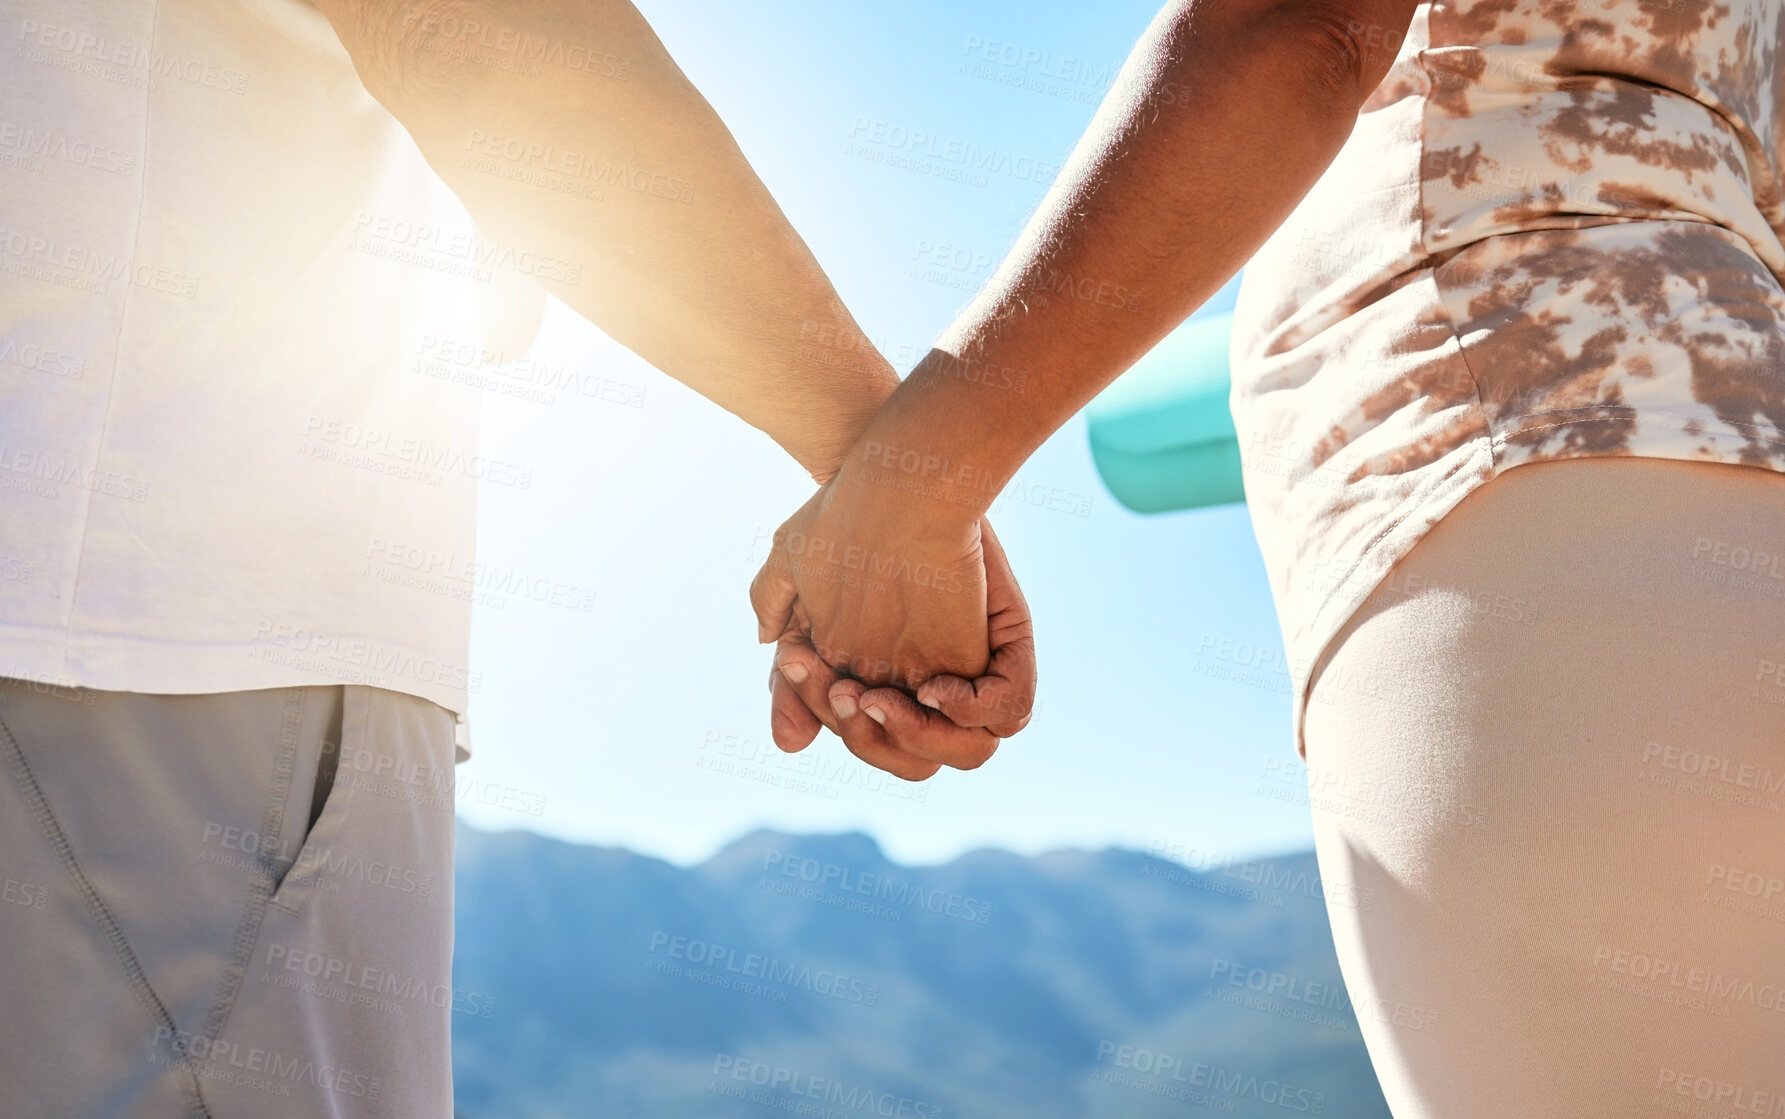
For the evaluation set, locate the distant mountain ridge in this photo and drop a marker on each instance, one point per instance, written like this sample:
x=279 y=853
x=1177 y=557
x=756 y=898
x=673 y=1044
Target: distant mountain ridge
x=811 y=975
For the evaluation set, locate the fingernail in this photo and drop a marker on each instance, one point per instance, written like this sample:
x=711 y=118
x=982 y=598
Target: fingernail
x=928 y=701
x=795 y=672
x=844 y=706
x=875 y=714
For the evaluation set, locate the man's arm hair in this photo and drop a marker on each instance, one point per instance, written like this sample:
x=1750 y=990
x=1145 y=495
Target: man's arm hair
x=570 y=134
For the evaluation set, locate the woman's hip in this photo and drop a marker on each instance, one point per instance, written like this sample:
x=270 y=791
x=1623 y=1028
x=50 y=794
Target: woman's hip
x=1571 y=820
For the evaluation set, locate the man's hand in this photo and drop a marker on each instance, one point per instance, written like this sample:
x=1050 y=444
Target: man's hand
x=934 y=609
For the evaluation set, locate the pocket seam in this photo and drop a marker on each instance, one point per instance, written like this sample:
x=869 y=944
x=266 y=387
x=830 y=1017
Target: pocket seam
x=261 y=890
x=305 y=868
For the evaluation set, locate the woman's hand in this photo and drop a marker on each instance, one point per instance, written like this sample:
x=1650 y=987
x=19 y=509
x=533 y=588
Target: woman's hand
x=867 y=587
x=889 y=595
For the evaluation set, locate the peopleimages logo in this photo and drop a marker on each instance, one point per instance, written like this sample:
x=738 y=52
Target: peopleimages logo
x=930 y=467
x=94 y=268
x=85 y=52
x=1708 y=1090
x=857 y=1100
x=420 y=453
x=356 y=659
x=961 y=153
x=1675 y=977
x=233 y=1062
x=431 y=562
x=755 y=966
x=813 y=772
x=53 y=145
x=466 y=363
x=1266 y=874
x=546 y=158
x=266 y=850
x=15 y=891
x=1164 y=1067
x=808 y=551
x=417 y=243
x=474 y=34
x=1714 y=767
x=1739 y=558
x=53 y=362
x=381 y=981
x=1299 y=993
x=1042 y=63
x=881 y=887
x=49 y=470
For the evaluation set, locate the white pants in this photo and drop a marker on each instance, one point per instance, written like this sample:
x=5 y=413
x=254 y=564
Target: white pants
x=1550 y=752
x=179 y=941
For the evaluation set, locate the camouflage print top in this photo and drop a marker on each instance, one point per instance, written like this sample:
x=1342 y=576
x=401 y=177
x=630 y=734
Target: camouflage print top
x=1555 y=232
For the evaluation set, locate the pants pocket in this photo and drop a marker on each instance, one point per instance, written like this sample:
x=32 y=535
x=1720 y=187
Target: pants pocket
x=324 y=811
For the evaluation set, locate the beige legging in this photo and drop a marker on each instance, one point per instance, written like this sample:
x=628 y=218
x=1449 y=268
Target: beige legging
x=1550 y=753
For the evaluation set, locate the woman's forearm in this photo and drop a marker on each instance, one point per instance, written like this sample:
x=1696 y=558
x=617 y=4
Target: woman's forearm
x=601 y=157
x=1223 y=118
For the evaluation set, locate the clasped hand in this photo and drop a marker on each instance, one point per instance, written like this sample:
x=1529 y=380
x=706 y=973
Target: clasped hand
x=898 y=626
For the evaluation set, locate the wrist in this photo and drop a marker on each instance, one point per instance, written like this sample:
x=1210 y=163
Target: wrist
x=912 y=479
x=831 y=440
x=942 y=449
x=856 y=383
x=919 y=492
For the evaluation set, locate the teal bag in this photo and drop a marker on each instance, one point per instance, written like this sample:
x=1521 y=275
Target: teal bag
x=1161 y=434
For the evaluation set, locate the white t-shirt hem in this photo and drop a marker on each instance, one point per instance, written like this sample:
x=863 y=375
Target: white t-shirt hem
x=132 y=663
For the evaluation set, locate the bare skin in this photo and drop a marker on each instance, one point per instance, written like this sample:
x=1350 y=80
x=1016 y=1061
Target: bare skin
x=1222 y=119
x=685 y=259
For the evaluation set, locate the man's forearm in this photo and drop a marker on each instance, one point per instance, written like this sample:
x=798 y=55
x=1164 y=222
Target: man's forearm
x=601 y=156
x=1224 y=117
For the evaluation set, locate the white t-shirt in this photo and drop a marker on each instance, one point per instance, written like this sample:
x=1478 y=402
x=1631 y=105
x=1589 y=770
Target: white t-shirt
x=233 y=298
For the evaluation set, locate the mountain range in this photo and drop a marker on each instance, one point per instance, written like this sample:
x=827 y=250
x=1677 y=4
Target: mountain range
x=812 y=976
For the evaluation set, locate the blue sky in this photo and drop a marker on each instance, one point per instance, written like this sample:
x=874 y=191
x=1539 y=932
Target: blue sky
x=643 y=721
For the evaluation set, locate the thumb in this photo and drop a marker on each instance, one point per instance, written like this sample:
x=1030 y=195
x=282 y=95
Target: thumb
x=772 y=593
